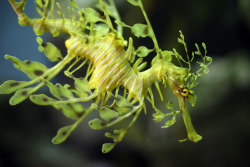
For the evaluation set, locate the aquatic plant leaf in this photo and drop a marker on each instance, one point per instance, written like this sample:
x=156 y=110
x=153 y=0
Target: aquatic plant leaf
x=11 y=86
x=31 y=68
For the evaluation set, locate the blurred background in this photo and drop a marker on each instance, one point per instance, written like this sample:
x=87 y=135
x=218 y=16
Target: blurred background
x=221 y=114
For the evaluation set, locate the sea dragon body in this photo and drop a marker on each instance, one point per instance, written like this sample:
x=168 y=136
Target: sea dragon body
x=109 y=69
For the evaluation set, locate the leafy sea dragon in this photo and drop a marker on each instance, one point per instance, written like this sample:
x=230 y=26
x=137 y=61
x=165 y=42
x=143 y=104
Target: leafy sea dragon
x=95 y=42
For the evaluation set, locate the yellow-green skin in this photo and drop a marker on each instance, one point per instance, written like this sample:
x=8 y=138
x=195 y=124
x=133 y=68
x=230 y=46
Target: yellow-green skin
x=111 y=62
x=112 y=70
x=112 y=67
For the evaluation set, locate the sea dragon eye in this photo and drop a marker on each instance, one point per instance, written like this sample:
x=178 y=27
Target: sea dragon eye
x=185 y=92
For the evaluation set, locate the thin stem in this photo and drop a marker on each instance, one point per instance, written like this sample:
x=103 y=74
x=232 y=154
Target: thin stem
x=75 y=100
x=152 y=35
x=116 y=16
x=135 y=109
x=106 y=14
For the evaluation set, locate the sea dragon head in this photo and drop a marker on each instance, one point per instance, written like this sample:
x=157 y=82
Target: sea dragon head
x=177 y=82
x=181 y=79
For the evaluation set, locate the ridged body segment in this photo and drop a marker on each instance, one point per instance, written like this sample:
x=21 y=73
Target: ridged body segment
x=111 y=63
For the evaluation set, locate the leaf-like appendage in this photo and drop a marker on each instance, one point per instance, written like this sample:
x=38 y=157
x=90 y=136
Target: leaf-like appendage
x=108 y=114
x=42 y=100
x=21 y=95
x=96 y=124
x=100 y=29
x=73 y=3
x=137 y=63
x=143 y=51
x=134 y=2
x=122 y=102
x=142 y=66
x=71 y=110
x=12 y=86
x=59 y=91
x=158 y=116
x=166 y=55
x=121 y=111
x=81 y=84
x=192 y=99
x=170 y=105
x=49 y=50
x=107 y=147
x=169 y=123
x=140 y=30
x=122 y=24
x=31 y=68
x=117 y=136
x=62 y=134
x=92 y=16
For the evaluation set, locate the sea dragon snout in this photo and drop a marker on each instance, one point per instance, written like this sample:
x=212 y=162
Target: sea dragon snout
x=183 y=95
